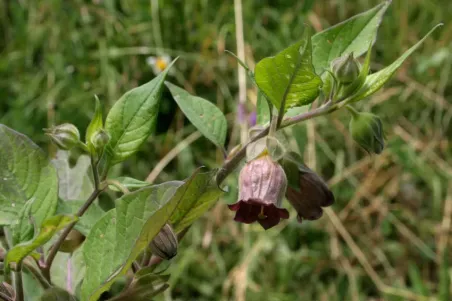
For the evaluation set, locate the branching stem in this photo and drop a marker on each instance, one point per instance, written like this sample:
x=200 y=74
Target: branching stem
x=233 y=162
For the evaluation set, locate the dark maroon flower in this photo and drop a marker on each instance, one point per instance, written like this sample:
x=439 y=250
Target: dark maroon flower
x=262 y=185
x=307 y=192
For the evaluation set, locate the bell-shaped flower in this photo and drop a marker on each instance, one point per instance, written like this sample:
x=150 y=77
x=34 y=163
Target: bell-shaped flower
x=262 y=185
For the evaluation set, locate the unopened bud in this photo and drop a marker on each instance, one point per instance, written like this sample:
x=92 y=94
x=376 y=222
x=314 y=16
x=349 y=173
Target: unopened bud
x=65 y=136
x=346 y=69
x=367 y=130
x=100 y=139
x=164 y=245
x=73 y=240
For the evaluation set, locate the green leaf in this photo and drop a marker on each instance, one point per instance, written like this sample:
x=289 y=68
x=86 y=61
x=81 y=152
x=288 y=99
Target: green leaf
x=124 y=232
x=376 y=80
x=56 y=294
x=262 y=109
x=129 y=183
x=25 y=174
x=74 y=182
x=49 y=227
x=132 y=118
x=88 y=220
x=68 y=270
x=289 y=77
x=23 y=221
x=204 y=115
x=352 y=35
x=197 y=202
x=95 y=124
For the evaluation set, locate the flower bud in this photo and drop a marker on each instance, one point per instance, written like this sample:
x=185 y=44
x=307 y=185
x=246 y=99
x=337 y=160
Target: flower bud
x=346 y=69
x=100 y=139
x=367 y=130
x=73 y=241
x=65 y=136
x=7 y=291
x=262 y=185
x=164 y=245
x=307 y=192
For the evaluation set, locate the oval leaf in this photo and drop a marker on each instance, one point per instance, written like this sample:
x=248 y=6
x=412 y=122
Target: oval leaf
x=204 y=115
x=25 y=174
x=376 y=80
x=49 y=227
x=352 y=35
x=289 y=77
x=132 y=118
x=122 y=233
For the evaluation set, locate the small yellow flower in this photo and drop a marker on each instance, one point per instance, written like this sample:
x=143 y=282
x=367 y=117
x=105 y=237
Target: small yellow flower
x=159 y=63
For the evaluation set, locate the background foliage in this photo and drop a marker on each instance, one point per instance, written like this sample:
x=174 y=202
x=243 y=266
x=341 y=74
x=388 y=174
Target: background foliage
x=392 y=218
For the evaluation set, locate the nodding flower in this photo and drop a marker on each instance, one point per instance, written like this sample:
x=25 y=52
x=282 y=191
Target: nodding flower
x=262 y=185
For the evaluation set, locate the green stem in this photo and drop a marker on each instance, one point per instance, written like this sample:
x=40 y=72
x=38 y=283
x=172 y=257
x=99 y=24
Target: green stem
x=352 y=110
x=234 y=161
x=274 y=123
x=53 y=251
x=18 y=285
x=37 y=274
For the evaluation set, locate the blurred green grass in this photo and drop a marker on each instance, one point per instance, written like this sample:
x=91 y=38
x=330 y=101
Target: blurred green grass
x=389 y=234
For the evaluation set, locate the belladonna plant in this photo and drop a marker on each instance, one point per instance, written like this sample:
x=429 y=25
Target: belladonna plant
x=119 y=249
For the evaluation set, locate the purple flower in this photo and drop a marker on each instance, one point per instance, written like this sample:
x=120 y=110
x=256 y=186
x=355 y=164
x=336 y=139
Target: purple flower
x=262 y=185
x=311 y=195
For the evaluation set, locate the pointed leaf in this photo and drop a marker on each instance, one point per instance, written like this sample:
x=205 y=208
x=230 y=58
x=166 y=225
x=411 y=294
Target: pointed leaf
x=129 y=183
x=376 y=80
x=25 y=174
x=289 y=77
x=49 y=227
x=124 y=232
x=95 y=124
x=204 y=115
x=196 y=204
x=352 y=35
x=132 y=118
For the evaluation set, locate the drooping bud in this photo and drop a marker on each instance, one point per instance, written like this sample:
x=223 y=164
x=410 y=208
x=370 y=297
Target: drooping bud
x=346 y=69
x=262 y=185
x=65 y=136
x=307 y=192
x=73 y=241
x=7 y=291
x=164 y=245
x=367 y=130
x=100 y=139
